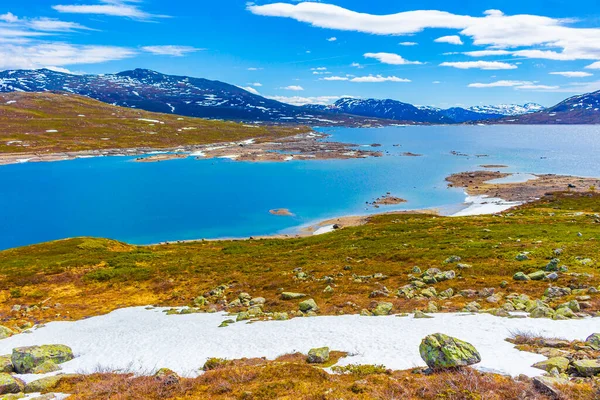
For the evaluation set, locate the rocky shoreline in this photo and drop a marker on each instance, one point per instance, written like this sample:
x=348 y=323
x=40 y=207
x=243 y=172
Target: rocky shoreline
x=306 y=146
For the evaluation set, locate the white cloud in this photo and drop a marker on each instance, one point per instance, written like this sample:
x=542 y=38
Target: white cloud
x=53 y=25
x=256 y=84
x=356 y=65
x=332 y=39
x=390 y=58
x=9 y=17
x=319 y=69
x=115 y=8
x=572 y=74
x=254 y=69
x=175 y=51
x=377 y=79
x=408 y=43
x=300 y=101
x=454 y=39
x=335 y=78
x=536 y=87
x=533 y=34
x=436 y=82
x=486 y=53
x=486 y=65
x=500 y=84
x=595 y=65
x=295 y=88
x=58 y=54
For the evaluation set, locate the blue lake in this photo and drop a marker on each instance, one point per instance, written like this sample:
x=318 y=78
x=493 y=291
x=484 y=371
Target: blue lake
x=145 y=203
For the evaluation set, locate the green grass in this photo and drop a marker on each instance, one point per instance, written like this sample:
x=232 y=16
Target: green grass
x=91 y=276
x=108 y=127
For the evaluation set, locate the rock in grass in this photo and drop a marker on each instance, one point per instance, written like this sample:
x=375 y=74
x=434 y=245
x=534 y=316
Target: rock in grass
x=6 y=364
x=318 y=356
x=522 y=257
x=587 y=368
x=10 y=384
x=308 y=305
x=452 y=260
x=440 y=351
x=546 y=385
x=167 y=377
x=26 y=359
x=5 y=332
x=383 y=308
x=292 y=296
x=593 y=341
x=280 y=316
x=560 y=363
x=537 y=276
x=520 y=276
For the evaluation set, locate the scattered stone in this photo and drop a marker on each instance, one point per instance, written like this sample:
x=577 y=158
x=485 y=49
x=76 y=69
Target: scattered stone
x=552 y=266
x=328 y=290
x=46 y=367
x=6 y=365
x=416 y=270
x=546 y=385
x=257 y=301
x=522 y=257
x=537 y=276
x=587 y=368
x=593 y=341
x=440 y=351
x=5 y=332
x=226 y=323
x=243 y=316
x=503 y=284
x=292 y=296
x=557 y=292
x=26 y=359
x=318 y=356
x=383 y=308
x=280 y=316
x=308 y=305
x=44 y=384
x=560 y=363
x=520 y=276
x=452 y=260
x=167 y=377
x=421 y=315
x=10 y=384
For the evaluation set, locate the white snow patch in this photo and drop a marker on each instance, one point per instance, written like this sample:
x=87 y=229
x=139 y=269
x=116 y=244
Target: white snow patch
x=11 y=102
x=324 y=229
x=149 y=120
x=483 y=205
x=147 y=340
x=51 y=131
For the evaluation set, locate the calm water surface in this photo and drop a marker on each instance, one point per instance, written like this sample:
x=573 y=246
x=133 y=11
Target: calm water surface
x=145 y=203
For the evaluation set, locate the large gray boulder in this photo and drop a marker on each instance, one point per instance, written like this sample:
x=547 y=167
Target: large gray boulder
x=440 y=351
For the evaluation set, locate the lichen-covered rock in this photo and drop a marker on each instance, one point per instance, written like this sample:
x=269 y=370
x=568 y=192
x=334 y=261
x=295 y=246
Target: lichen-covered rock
x=452 y=260
x=520 y=276
x=383 y=308
x=5 y=332
x=26 y=359
x=552 y=266
x=421 y=315
x=6 y=364
x=43 y=385
x=537 y=276
x=573 y=305
x=318 y=356
x=242 y=316
x=10 y=384
x=564 y=313
x=541 y=312
x=560 y=363
x=522 y=257
x=167 y=377
x=556 y=291
x=292 y=296
x=46 y=367
x=440 y=351
x=226 y=323
x=280 y=316
x=593 y=341
x=308 y=305
x=587 y=367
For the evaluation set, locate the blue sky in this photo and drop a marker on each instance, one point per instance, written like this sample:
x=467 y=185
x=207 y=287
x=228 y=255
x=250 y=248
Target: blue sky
x=428 y=52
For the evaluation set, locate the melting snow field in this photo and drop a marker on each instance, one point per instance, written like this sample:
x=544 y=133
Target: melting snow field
x=141 y=340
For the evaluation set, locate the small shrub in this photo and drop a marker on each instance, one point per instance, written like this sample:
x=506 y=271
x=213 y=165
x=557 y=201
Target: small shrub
x=215 y=363
x=15 y=293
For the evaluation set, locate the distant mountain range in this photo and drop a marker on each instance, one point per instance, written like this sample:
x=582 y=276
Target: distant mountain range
x=397 y=110
x=152 y=91
x=196 y=97
x=582 y=109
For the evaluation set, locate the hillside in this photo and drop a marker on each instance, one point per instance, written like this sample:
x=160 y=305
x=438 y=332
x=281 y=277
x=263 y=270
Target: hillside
x=581 y=109
x=58 y=122
x=182 y=95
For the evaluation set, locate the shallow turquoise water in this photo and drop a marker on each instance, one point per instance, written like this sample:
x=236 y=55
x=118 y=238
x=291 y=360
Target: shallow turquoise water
x=145 y=203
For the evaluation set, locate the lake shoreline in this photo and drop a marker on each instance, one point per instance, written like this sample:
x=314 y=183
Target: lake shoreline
x=304 y=146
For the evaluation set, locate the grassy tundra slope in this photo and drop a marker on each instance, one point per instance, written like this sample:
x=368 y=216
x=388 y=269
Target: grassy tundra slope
x=46 y=123
x=76 y=278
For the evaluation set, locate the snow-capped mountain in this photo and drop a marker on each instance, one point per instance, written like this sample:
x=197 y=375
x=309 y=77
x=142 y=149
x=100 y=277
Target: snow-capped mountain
x=508 y=109
x=153 y=91
x=581 y=109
